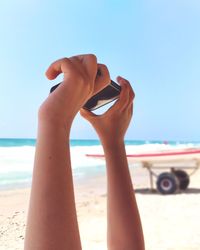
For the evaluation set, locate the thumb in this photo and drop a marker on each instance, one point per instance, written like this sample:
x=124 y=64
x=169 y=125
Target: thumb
x=88 y=115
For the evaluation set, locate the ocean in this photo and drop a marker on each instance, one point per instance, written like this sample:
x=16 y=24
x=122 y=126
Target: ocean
x=17 y=157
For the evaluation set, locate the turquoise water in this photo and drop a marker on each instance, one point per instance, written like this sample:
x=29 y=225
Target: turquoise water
x=15 y=142
x=18 y=142
x=17 y=157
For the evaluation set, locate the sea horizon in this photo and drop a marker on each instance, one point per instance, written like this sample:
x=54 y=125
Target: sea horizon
x=17 y=141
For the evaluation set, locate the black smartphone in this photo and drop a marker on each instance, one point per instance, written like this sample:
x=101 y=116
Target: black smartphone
x=105 y=96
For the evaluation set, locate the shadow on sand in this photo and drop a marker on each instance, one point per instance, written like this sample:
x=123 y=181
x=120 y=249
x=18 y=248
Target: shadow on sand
x=155 y=192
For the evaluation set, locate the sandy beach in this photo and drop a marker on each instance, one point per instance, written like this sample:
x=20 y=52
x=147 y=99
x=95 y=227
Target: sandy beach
x=169 y=222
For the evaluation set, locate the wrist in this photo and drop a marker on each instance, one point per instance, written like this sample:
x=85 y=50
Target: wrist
x=112 y=143
x=115 y=154
x=54 y=127
x=54 y=120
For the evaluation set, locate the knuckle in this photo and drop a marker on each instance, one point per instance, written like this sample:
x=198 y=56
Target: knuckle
x=127 y=82
x=65 y=59
x=103 y=66
x=92 y=57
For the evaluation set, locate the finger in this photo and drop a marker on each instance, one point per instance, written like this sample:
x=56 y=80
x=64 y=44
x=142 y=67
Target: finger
x=124 y=95
x=60 y=66
x=131 y=100
x=130 y=96
x=102 y=78
x=119 y=104
x=131 y=109
x=122 y=80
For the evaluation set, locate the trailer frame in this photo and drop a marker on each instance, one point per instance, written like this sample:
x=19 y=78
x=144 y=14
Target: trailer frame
x=171 y=166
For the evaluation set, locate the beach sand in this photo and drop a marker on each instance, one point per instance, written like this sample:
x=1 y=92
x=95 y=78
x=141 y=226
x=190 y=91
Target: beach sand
x=169 y=222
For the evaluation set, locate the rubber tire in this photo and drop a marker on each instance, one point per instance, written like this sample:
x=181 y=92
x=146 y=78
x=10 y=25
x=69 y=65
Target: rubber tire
x=167 y=183
x=183 y=178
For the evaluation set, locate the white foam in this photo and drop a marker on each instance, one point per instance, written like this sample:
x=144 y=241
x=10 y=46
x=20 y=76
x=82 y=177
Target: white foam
x=18 y=161
x=22 y=158
x=79 y=158
x=16 y=158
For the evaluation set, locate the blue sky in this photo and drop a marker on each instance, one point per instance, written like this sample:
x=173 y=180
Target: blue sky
x=155 y=44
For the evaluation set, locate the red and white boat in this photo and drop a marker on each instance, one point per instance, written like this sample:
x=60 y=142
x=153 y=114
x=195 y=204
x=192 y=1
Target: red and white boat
x=175 y=160
x=186 y=154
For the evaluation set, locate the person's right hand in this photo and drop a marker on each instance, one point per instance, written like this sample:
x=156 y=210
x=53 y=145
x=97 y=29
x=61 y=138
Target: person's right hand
x=112 y=125
x=80 y=82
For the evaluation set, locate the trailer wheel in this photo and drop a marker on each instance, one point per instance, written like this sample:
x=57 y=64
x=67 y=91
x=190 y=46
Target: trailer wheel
x=183 y=178
x=167 y=183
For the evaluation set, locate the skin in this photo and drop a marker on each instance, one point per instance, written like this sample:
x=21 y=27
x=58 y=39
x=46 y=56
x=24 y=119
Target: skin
x=52 y=220
x=124 y=230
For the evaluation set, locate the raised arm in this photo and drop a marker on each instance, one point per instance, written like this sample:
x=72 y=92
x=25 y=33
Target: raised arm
x=52 y=221
x=124 y=226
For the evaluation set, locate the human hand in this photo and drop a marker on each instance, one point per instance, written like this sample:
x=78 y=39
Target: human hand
x=80 y=82
x=112 y=125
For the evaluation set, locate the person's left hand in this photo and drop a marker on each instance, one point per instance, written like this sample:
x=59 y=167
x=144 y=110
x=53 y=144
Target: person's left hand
x=79 y=84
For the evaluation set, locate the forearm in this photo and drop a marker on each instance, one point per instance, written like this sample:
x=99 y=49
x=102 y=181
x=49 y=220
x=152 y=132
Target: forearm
x=124 y=226
x=52 y=214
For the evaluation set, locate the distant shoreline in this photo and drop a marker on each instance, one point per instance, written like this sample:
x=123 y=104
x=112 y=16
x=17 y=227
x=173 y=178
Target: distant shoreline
x=8 y=142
